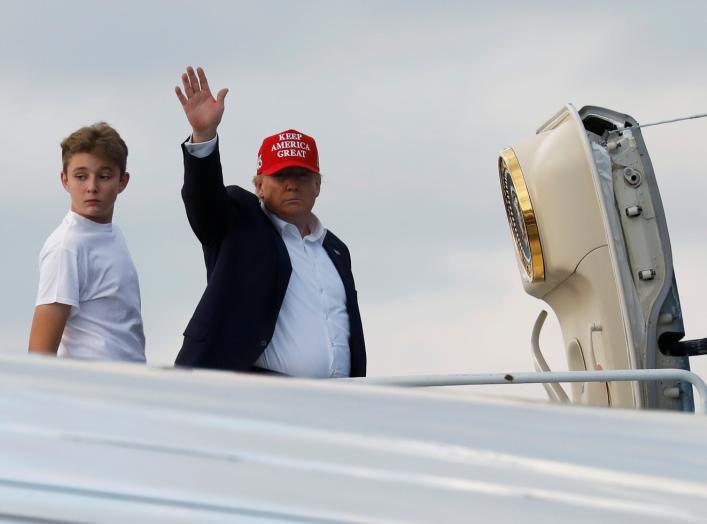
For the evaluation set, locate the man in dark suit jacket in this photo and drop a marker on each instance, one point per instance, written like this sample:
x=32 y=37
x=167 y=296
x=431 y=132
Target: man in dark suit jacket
x=280 y=296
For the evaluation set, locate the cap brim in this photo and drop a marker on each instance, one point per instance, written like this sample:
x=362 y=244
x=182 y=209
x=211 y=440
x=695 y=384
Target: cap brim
x=288 y=163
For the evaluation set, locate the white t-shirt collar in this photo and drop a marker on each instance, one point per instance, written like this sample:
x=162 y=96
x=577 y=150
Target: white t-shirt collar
x=88 y=223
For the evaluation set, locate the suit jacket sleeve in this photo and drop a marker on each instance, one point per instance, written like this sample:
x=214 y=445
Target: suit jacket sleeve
x=208 y=207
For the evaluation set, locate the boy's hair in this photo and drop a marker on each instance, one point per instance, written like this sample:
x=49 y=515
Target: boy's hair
x=99 y=139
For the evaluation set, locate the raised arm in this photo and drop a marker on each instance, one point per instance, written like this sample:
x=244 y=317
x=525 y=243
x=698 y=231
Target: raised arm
x=203 y=193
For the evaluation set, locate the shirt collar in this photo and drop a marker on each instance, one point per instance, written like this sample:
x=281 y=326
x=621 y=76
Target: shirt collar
x=87 y=223
x=316 y=229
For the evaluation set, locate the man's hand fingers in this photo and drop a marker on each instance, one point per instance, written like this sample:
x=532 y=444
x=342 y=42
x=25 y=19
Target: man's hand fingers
x=187 y=86
x=202 y=79
x=181 y=97
x=193 y=79
x=221 y=96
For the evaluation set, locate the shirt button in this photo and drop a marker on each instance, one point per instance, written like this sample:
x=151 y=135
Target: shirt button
x=263 y=343
x=321 y=290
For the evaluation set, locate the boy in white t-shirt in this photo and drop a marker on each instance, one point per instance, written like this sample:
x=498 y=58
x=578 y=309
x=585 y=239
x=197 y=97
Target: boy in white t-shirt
x=88 y=302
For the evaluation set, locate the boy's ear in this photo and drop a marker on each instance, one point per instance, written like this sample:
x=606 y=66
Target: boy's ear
x=64 y=180
x=124 y=179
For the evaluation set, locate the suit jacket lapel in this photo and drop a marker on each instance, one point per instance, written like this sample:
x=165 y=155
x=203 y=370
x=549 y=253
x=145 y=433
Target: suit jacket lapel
x=339 y=260
x=284 y=264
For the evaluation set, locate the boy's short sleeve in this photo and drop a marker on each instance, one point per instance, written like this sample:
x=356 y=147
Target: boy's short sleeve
x=58 y=277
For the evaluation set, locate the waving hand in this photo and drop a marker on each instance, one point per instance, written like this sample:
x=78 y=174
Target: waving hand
x=203 y=111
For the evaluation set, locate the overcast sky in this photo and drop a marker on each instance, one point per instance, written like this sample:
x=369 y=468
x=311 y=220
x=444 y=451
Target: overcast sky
x=410 y=103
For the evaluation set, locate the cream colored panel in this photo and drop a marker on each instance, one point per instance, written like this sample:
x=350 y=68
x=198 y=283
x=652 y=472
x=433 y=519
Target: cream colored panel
x=590 y=297
x=561 y=188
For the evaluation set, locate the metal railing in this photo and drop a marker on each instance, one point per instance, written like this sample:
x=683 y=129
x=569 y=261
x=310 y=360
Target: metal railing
x=551 y=377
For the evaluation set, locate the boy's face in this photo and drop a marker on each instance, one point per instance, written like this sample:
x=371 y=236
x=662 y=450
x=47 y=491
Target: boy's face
x=93 y=184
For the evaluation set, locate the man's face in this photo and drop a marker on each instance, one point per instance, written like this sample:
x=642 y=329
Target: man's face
x=290 y=193
x=93 y=184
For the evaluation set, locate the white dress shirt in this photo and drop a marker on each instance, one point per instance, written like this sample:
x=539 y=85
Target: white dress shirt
x=311 y=337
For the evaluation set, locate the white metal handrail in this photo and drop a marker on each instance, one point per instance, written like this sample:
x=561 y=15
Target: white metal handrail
x=552 y=377
x=553 y=390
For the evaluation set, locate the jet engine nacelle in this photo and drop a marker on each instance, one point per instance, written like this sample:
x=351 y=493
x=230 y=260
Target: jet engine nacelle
x=592 y=241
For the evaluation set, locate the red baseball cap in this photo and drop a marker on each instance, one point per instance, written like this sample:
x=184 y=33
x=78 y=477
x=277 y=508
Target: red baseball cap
x=286 y=149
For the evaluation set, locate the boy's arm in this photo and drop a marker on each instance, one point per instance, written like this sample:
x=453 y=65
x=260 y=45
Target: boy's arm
x=48 y=327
